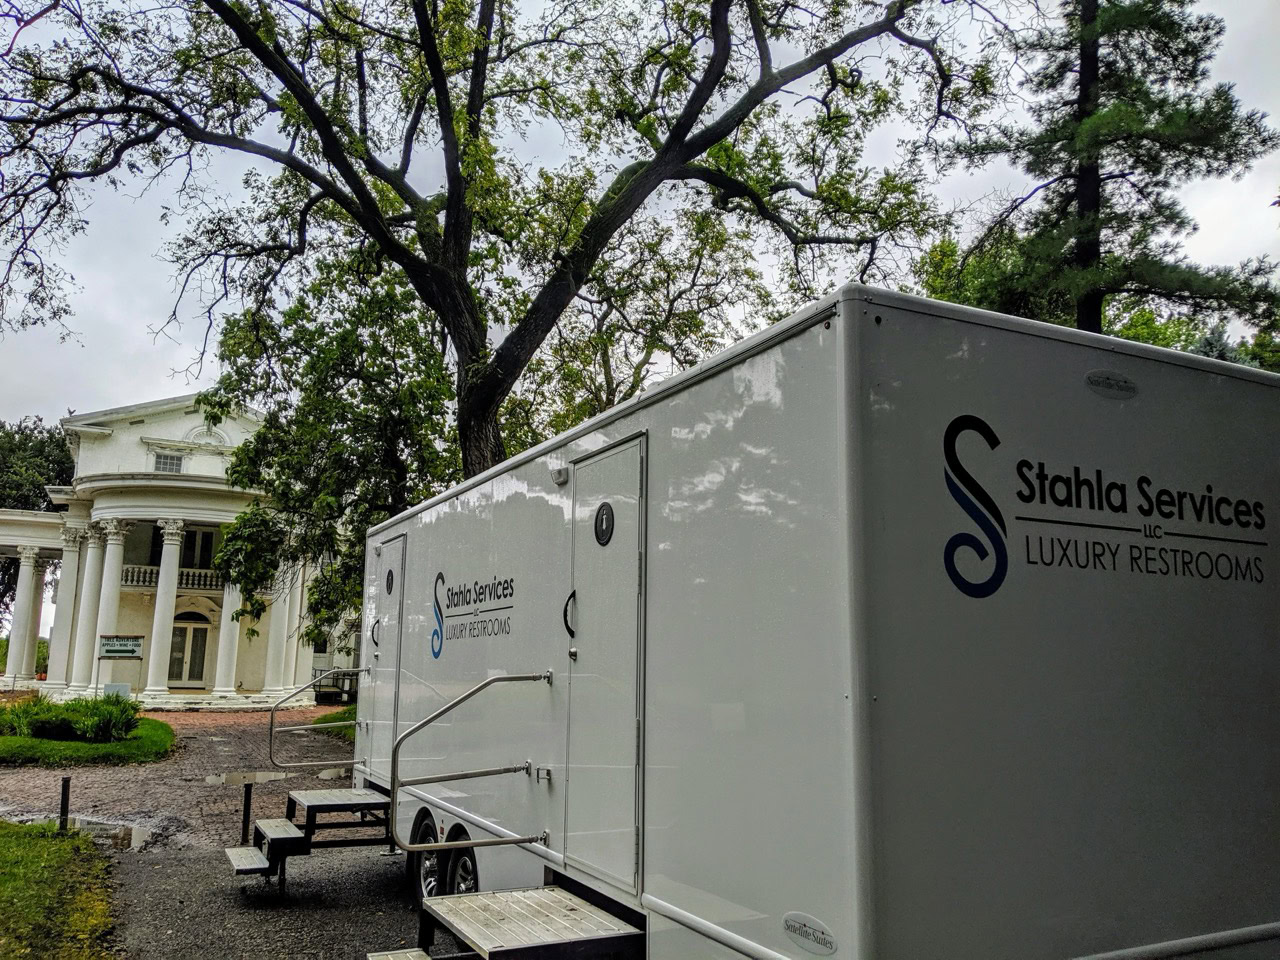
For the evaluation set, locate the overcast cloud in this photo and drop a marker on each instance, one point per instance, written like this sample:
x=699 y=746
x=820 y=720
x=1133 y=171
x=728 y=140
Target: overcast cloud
x=126 y=291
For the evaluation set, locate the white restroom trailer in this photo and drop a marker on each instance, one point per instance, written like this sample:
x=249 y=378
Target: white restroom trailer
x=898 y=631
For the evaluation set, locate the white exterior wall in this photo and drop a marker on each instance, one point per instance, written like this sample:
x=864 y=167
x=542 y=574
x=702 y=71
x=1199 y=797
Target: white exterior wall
x=1082 y=761
x=746 y=589
x=125 y=451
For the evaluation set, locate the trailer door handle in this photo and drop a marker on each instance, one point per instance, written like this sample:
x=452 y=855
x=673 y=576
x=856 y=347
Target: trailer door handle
x=568 y=600
x=373 y=631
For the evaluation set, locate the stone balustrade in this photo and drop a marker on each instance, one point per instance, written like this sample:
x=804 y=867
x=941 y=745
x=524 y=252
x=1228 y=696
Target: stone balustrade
x=189 y=578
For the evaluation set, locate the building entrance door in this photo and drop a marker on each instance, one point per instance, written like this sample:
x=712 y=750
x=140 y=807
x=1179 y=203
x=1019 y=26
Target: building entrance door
x=188 y=650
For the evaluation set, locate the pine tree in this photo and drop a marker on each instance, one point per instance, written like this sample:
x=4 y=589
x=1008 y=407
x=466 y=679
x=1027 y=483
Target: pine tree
x=1122 y=115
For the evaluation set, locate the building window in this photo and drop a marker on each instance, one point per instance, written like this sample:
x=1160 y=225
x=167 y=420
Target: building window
x=168 y=463
x=197 y=549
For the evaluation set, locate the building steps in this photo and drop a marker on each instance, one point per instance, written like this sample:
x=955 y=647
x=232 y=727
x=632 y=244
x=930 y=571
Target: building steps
x=542 y=922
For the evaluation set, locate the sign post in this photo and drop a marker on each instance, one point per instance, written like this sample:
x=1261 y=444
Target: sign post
x=113 y=646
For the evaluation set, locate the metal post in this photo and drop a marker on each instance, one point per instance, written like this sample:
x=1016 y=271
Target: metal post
x=65 y=805
x=244 y=819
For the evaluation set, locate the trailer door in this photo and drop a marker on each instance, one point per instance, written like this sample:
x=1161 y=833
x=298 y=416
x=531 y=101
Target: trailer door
x=602 y=784
x=383 y=644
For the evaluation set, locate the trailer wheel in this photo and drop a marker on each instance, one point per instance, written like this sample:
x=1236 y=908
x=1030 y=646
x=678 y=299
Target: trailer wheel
x=463 y=875
x=423 y=868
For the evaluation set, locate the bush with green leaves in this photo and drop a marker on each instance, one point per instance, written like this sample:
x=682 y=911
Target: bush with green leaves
x=108 y=719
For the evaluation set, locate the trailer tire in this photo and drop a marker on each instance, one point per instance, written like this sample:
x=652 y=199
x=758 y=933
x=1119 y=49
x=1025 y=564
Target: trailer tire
x=423 y=870
x=464 y=876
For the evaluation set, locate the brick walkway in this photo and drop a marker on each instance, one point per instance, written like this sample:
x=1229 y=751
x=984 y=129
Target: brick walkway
x=172 y=798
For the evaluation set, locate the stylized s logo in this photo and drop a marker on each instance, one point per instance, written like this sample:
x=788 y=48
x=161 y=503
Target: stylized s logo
x=965 y=490
x=437 y=635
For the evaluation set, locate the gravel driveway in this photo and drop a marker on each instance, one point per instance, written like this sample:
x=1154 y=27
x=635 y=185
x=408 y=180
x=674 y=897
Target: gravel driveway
x=175 y=896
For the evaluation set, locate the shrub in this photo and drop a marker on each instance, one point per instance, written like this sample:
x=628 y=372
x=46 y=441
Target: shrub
x=108 y=719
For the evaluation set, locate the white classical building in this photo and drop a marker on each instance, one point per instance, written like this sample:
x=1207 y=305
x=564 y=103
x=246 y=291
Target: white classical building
x=136 y=543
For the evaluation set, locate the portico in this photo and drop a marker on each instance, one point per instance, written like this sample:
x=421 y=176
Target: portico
x=135 y=548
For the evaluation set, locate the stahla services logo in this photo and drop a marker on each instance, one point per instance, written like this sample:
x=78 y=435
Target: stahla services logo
x=471 y=610
x=1086 y=518
x=977 y=503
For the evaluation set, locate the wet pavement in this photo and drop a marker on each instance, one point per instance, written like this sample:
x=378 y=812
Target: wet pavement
x=164 y=826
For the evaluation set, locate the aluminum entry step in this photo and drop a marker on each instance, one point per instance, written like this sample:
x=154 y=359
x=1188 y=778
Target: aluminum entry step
x=247 y=860
x=340 y=801
x=277 y=829
x=414 y=954
x=543 y=922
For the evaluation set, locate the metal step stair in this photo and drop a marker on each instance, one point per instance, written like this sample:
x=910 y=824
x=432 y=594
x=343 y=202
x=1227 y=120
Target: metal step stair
x=414 y=954
x=245 y=860
x=536 y=924
x=337 y=801
x=277 y=839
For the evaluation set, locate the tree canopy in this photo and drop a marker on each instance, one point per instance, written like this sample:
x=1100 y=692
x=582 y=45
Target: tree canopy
x=32 y=456
x=1121 y=115
x=489 y=152
x=352 y=387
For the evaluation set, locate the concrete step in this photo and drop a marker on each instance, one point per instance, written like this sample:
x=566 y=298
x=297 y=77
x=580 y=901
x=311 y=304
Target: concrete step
x=247 y=860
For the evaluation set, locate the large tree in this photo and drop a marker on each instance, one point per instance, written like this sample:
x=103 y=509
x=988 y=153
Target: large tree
x=1122 y=114
x=32 y=456
x=489 y=151
x=352 y=381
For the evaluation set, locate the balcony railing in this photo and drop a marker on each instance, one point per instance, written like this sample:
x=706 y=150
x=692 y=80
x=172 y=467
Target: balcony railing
x=139 y=575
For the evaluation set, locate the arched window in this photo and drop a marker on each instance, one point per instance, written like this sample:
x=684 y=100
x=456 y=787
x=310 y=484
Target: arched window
x=192 y=617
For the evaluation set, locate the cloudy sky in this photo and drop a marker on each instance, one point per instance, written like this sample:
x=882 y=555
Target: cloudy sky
x=126 y=291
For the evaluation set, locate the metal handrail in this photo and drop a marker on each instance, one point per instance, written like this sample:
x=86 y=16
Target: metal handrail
x=397 y=784
x=272 y=729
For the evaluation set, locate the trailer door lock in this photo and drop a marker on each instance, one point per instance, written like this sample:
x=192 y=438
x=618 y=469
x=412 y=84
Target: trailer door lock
x=542 y=773
x=573 y=654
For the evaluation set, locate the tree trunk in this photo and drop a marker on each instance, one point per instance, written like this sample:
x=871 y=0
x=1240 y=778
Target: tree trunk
x=480 y=439
x=1088 y=247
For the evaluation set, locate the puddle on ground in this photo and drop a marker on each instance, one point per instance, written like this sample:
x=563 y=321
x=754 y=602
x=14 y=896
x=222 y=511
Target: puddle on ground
x=241 y=777
x=120 y=837
x=335 y=773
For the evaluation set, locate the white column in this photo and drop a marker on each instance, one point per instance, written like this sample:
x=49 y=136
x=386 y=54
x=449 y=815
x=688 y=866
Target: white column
x=28 y=671
x=292 y=636
x=224 y=679
x=64 y=611
x=86 y=650
x=20 y=625
x=109 y=600
x=302 y=665
x=166 y=598
x=277 y=634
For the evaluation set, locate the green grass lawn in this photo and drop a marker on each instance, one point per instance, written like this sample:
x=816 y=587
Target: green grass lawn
x=55 y=893
x=150 y=742
x=342 y=733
